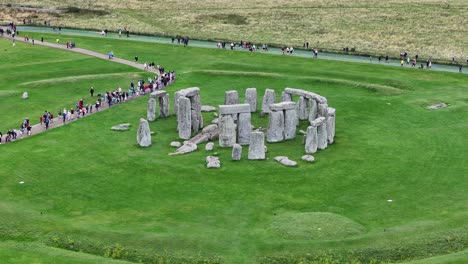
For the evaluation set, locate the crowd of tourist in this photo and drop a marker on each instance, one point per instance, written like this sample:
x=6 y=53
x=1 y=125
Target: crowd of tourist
x=81 y=109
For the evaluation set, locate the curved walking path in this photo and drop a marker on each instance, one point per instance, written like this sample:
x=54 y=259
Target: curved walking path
x=211 y=44
x=57 y=121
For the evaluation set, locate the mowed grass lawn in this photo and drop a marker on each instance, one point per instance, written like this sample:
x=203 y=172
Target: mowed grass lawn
x=92 y=190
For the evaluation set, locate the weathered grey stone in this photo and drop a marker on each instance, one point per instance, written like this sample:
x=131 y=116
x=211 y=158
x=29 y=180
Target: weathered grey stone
x=268 y=99
x=213 y=162
x=215 y=121
x=236 y=152
x=231 y=97
x=257 y=146
x=275 y=131
x=283 y=106
x=302 y=132
x=197 y=120
x=308 y=158
x=306 y=94
x=151 y=111
x=164 y=105
x=189 y=92
x=177 y=95
x=209 y=146
x=208 y=108
x=290 y=123
x=25 y=95
x=244 y=128
x=234 y=109
x=285 y=161
x=286 y=97
x=251 y=99
x=436 y=106
x=144 y=133
x=157 y=94
x=187 y=147
x=176 y=144
x=227 y=131
x=184 y=118
x=121 y=127
x=311 y=140
x=322 y=137
x=331 y=125
x=322 y=110
x=318 y=121
x=302 y=108
x=312 y=110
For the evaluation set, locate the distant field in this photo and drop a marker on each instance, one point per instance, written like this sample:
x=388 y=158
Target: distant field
x=435 y=28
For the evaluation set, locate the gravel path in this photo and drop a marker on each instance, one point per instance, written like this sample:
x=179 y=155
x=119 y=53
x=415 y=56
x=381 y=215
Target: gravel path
x=57 y=121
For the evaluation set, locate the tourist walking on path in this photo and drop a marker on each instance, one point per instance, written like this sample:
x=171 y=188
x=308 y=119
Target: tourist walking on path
x=91 y=91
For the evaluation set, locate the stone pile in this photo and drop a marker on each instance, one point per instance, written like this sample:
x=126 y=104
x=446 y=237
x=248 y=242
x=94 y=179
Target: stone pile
x=187 y=107
x=162 y=98
x=213 y=162
x=230 y=132
x=282 y=122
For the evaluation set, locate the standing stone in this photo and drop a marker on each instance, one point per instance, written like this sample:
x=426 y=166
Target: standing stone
x=331 y=125
x=257 y=146
x=244 y=128
x=164 y=105
x=322 y=136
x=232 y=97
x=151 y=113
x=311 y=140
x=312 y=110
x=290 y=123
x=184 y=118
x=322 y=110
x=251 y=99
x=144 y=133
x=286 y=97
x=236 y=152
x=302 y=107
x=227 y=131
x=275 y=131
x=197 y=121
x=268 y=98
x=176 y=104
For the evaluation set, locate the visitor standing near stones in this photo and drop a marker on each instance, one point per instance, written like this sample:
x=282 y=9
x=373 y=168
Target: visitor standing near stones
x=136 y=59
x=91 y=91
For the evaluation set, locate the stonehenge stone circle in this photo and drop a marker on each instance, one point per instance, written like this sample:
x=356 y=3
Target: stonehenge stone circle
x=144 y=133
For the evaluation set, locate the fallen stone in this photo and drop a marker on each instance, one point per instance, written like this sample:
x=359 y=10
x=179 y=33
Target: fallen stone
x=187 y=147
x=144 y=133
x=213 y=162
x=208 y=108
x=209 y=146
x=285 y=161
x=436 y=106
x=236 y=152
x=308 y=158
x=121 y=127
x=176 y=144
x=25 y=95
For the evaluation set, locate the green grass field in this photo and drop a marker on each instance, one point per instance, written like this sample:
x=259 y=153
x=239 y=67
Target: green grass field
x=430 y=28
x=94 y=191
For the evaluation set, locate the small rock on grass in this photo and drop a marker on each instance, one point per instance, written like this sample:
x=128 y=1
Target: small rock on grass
x=176 y=144
x=308 y=158
x=285 y=161
x=436 y=106
x=209 y=146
